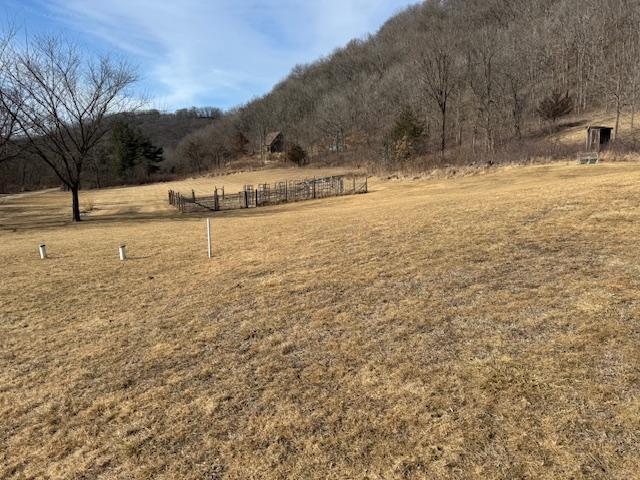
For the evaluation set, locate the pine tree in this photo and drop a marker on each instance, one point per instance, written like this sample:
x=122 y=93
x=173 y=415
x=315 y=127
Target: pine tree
x=406 y=134
x=133 y=152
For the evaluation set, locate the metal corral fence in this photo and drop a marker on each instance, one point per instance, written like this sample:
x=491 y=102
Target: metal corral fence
x=271 y=193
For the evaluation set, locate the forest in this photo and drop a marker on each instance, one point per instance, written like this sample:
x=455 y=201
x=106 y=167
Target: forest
x=442 y=82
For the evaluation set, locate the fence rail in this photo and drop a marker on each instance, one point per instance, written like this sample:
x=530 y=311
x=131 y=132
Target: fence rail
x=270 y=194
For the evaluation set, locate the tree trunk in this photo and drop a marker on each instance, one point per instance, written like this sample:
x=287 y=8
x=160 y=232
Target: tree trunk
x=474 y=138
x=633 y=113
x=516 y=112
x=75 y=199
x=459 y=124
x=23 y=180
x=618 y=108
x=263 y=136
x=443 y=144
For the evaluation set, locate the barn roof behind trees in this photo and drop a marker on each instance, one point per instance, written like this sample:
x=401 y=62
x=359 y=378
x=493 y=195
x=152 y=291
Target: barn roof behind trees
x=271 y=137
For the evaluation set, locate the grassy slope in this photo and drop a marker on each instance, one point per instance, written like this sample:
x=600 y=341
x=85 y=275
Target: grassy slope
x=577 y=134
x=483 y=327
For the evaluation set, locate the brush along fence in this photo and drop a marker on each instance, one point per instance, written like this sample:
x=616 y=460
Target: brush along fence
x=270 y=194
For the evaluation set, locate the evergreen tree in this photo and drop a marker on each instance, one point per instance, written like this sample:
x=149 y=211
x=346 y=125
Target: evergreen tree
x=406 y=135
x=133 y=152
x=407 y=126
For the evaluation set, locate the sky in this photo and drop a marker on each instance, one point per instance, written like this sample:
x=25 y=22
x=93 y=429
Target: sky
x=205 y=53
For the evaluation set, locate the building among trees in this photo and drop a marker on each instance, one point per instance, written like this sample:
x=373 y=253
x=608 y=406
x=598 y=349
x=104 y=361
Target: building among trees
x=274 y=142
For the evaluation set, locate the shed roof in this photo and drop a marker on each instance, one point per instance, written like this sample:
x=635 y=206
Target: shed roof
x=271 y=137
x=599 y=127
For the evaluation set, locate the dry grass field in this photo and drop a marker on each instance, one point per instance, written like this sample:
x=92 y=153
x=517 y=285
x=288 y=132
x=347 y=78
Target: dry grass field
x=477 y=327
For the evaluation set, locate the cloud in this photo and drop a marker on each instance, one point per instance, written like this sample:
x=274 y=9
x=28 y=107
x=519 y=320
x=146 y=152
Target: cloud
x=221 y=52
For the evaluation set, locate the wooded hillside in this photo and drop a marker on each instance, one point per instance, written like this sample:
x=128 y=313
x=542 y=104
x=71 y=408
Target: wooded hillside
x=104 y=168
x=443 y=82
x=451 y=76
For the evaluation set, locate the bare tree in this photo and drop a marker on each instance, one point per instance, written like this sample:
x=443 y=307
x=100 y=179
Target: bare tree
x=333 y=120
x=8 y=149
x=620 y=62
x=8 y=124
x=438 y=69
x=62 y=100
x=481 y=62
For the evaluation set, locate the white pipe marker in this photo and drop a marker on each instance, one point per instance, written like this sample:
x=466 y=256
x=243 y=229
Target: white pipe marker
x=209 y=237
x=123 y=252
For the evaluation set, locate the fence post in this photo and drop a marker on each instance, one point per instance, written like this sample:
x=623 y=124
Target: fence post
x=256 y=197
x=216 y=200
x=354 y=184
x=314 y=187
x=366 y=184
x=193 y=195
x=246 y=200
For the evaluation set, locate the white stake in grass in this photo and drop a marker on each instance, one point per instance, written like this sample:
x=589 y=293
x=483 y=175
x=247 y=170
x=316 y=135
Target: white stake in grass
x=43 y=251
x=209 y=237
x=123 y=252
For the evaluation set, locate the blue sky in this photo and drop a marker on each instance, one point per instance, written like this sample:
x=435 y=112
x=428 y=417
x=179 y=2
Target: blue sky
x=197 y=52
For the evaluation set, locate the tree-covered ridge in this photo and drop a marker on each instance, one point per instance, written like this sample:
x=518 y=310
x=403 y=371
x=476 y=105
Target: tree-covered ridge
x=475 y=73
x=443 y=81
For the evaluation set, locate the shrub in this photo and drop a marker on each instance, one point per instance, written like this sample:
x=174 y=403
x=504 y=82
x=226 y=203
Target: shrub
x=297 y=154
x=555 y=106
x=405 y=138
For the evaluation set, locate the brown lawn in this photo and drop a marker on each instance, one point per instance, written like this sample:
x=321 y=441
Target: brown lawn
x=477 y=327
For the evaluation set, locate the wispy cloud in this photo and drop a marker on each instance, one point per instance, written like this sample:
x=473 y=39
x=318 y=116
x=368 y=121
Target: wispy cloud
x=220 y=52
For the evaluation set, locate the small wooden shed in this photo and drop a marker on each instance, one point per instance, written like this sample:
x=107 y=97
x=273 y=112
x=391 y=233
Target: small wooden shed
x=598 y=137
x=274 y=142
